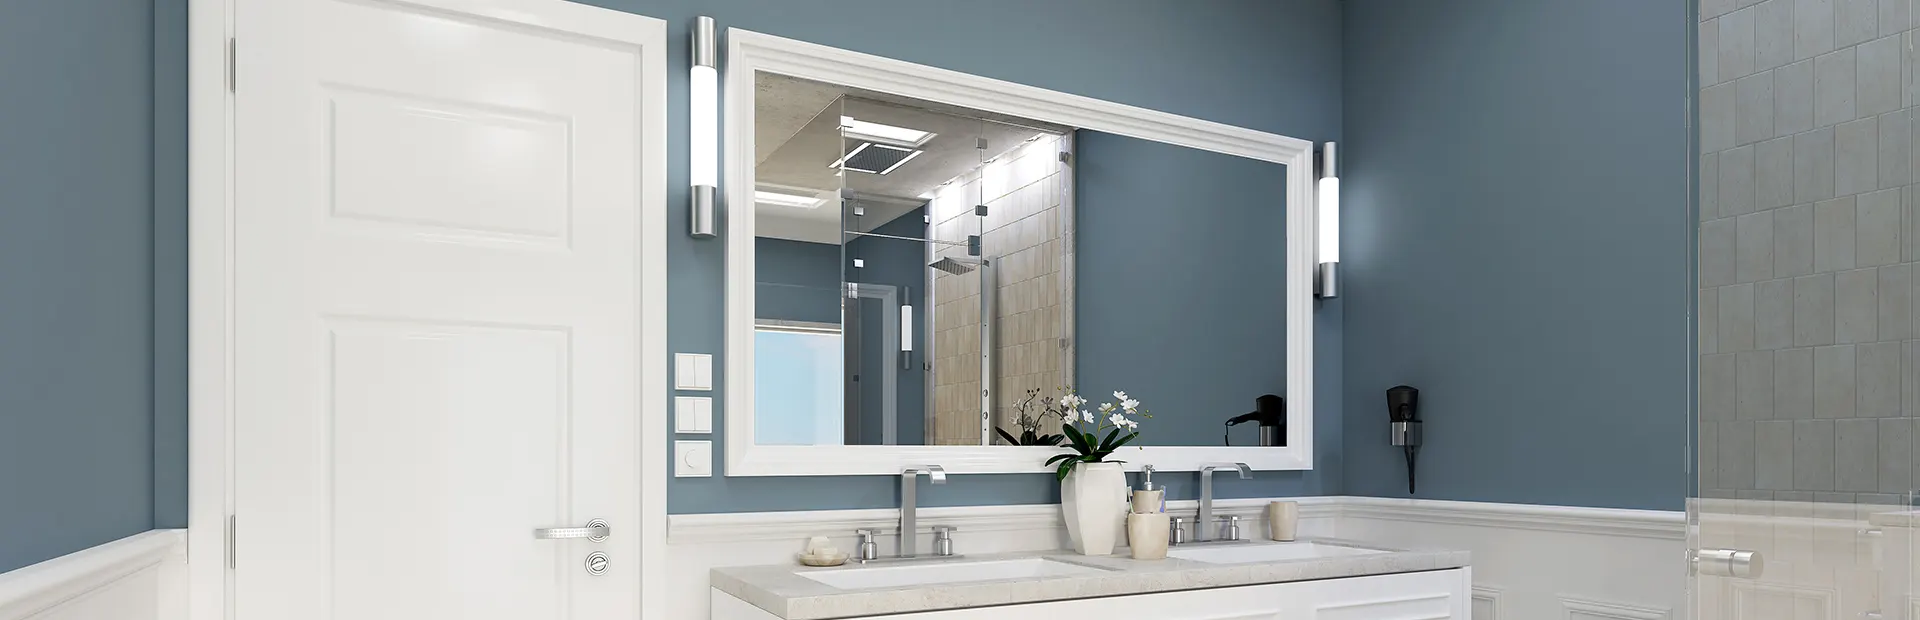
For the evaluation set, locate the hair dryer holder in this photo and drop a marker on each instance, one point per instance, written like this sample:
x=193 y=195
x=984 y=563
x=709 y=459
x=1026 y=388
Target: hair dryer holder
x=1407 y=434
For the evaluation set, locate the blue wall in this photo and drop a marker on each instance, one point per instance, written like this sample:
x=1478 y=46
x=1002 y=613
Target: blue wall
x=78 y=250
x=1272 y=66
x=796 y=280
x=1516 y=245
x=1181 y=275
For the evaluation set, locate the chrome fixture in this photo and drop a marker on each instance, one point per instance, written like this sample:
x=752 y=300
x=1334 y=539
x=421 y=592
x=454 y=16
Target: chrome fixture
x=1729 y=563
x=909 y=510
x=596 y=531
x=868 y=550
x=704 y=132
x=943 y=540
x=1231 y=531
x=1178 y=534
x=597 y=563
x=1205 y=518
x=1326 y=282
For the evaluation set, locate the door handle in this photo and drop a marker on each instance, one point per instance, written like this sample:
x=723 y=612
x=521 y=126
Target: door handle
x=1729 y=563
x=596 y=531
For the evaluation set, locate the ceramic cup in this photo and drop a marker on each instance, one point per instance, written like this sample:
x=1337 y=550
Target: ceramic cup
x=1147 y=535
x=1283 y=519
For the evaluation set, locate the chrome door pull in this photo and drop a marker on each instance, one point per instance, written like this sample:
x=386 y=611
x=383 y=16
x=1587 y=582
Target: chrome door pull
x=1729 y=563
x=596 y=531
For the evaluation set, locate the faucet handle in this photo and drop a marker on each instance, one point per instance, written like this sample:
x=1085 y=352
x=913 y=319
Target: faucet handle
x=866 y=549
x=1232 y=528
x=943 y=540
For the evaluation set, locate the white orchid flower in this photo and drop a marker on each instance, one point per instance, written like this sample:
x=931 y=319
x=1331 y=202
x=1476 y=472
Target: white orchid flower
x=1072 y=401
x=1120 y=395
x=1118 y=419
x=1086 y=415
x=1130 y=405
x=1106 y=407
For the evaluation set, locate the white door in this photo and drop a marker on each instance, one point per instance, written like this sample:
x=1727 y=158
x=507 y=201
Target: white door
x=438 y=347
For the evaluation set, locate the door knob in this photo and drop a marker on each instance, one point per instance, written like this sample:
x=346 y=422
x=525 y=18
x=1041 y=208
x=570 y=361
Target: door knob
x=596 y=531
x=1729 y=563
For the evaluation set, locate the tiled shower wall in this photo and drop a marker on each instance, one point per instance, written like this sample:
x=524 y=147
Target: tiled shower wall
x=1807 y=240
x=1022 y=233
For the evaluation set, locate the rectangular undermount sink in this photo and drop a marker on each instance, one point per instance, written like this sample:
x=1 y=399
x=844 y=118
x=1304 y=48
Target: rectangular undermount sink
x=959 y=571
x=1277 y=552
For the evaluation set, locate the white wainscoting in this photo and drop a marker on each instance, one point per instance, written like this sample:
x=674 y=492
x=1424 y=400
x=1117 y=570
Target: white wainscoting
x=140 y=577
x=1543 y=562
x=1529 y=562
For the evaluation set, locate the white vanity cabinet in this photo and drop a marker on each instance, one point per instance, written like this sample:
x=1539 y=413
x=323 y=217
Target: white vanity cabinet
x=1423 y=595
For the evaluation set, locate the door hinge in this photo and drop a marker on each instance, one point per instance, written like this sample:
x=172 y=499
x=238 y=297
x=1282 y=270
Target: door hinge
x=233 y=554
x=233 y=65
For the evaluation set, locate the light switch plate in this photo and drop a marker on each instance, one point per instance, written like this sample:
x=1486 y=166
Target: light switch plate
x=693 y=371
x=693 y=459
x=692 y=414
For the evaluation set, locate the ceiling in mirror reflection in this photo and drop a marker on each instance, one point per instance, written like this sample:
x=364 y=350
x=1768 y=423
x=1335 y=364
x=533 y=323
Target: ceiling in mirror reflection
x=798 y=140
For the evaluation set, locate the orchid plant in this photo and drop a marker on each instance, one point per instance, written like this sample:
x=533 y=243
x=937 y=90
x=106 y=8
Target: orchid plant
x=1083 y=429
x=1033 y=411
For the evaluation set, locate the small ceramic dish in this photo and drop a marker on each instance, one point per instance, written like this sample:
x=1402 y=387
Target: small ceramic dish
x=822 y=560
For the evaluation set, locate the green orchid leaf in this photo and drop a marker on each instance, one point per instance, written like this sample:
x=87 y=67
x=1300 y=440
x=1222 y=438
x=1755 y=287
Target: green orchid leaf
x=1004 y=435
x=1065 y=468
x=1108 y=442
x=1060 y=457
x=1079 y=440
x=1123 y=441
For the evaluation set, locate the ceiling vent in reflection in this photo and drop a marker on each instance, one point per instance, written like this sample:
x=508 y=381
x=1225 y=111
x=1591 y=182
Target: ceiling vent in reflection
x=873 y=158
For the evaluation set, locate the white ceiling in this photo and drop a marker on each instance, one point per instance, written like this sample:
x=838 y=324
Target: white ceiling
x=797 y=138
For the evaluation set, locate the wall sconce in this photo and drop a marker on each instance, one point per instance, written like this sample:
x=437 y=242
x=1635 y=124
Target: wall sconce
x=906 y=329
x=1327 y=277
x=704 y=129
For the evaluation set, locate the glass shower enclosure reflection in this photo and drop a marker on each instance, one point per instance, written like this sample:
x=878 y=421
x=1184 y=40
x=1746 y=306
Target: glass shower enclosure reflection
x=908 y=266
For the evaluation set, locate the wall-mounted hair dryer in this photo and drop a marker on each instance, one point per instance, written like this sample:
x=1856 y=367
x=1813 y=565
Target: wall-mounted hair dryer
x=1403 y=403
x=1271 y=412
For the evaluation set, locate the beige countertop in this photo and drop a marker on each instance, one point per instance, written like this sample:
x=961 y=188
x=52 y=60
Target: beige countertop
x=784 y=592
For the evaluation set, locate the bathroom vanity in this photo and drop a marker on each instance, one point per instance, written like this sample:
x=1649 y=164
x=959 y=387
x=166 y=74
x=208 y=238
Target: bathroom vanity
x=1306 y=579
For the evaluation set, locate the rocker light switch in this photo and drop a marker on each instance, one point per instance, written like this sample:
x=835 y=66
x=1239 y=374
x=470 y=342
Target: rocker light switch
x=692 y=414
x=693 y=372
x=693 y=459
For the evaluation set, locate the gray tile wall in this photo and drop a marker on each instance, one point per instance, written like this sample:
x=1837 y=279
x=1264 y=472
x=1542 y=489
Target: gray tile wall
x=1809 y=372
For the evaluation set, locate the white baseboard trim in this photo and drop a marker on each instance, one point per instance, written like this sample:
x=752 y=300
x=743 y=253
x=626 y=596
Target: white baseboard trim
x=1582 y=609
x=29 y=591
x=1657 y=524
x=798 y=525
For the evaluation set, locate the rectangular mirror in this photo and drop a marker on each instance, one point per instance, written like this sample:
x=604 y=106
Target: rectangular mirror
x=929 y=278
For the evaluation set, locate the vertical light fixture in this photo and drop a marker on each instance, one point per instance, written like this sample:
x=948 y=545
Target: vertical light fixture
x=703 y=128
x=906 y=329
x=1327 y=280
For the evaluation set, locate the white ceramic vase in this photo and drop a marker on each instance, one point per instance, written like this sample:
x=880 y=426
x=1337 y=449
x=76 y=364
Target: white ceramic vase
x=1094 y=498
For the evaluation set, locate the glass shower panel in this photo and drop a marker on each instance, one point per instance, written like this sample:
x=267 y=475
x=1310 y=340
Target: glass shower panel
x=1807 y=361
x=907 y=218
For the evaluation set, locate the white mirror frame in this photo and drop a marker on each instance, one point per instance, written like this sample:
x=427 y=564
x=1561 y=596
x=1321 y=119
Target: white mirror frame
x=749 y=52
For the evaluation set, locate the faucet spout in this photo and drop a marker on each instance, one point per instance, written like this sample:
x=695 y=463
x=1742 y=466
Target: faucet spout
x=1202 y=525
x=909 y=509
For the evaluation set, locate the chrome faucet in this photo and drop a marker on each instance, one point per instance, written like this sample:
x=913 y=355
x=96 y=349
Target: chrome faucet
x=1202 y=525
x=909 y=519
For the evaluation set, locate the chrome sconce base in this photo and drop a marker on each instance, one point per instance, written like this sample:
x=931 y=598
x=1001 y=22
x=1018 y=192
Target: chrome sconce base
x=700 y=212
x=1326 y=281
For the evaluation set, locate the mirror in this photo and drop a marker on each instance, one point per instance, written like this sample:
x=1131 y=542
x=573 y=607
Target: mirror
x=923 y=273
x=912 y=271
x=885 y=231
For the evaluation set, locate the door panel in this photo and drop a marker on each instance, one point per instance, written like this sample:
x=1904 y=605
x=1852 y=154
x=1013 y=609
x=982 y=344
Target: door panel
x=437 y=271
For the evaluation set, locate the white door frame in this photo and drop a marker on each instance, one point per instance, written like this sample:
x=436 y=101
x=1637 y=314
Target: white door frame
x=210 y=289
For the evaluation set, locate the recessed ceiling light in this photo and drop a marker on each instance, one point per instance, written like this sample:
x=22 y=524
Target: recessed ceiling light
x=796 y=201
x=875 y=158
x=863 y=130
